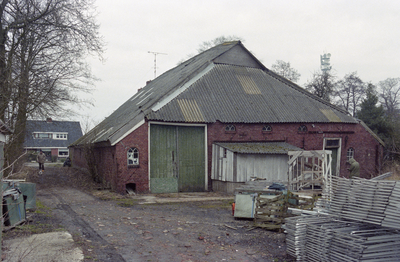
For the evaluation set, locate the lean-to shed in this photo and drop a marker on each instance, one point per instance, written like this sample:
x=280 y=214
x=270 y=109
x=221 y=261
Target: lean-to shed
x=233 y=164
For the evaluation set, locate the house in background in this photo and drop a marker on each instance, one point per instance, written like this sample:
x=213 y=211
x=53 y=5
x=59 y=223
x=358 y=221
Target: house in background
x=53 y=137
x=171 y=135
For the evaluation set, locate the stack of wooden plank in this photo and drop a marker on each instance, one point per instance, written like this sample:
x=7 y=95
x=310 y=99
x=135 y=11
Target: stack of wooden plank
x=270 y=213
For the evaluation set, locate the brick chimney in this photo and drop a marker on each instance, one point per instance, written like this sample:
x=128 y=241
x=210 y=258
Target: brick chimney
x=49 y=120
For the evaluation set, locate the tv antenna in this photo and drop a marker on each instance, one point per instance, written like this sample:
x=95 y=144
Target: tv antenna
x=155 y=61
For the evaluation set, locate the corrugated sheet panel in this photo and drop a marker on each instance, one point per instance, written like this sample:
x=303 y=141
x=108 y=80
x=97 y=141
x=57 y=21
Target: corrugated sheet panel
x=190 y=110
x=259 y=147
x=330 y=115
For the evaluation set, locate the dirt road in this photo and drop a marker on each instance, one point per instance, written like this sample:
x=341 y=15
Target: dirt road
x=121 y=229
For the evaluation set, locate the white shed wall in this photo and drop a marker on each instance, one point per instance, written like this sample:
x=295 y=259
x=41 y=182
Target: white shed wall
x=272 y=167
x=221 y=168
x=236 y=167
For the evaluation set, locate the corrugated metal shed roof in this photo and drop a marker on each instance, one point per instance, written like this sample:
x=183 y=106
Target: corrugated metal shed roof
x=279 y=148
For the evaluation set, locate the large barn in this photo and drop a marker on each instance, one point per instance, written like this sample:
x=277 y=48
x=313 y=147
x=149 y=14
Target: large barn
x=225 y=102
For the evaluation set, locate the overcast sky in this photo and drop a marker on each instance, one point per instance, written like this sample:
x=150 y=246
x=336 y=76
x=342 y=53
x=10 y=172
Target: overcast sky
x=361 y=36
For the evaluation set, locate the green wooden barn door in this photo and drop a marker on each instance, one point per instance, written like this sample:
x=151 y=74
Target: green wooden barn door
x=177 y=159
x=163 y=167
x=191 y=159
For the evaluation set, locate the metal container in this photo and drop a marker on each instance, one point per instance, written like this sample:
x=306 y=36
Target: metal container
x=13 y=207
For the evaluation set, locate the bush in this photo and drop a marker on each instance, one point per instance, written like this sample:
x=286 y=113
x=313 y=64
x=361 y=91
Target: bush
x=54 y=159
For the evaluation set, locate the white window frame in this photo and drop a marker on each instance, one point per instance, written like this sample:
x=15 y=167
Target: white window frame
x=131 y=156
x=63 y=150
x=60 y=136
x=36 y=135
x=350 y=153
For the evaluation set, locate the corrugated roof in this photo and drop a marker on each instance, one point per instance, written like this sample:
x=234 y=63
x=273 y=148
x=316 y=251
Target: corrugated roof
x=225 y=83
x=280 y=148
x=127 y=115
x=232 y=94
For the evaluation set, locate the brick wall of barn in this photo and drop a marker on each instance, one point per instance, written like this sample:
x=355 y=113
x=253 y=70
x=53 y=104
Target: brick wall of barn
x=112 y=161
x=77 y=157
x=106 y=166
x=135 y=176
x=103 y=163
x=112 y=166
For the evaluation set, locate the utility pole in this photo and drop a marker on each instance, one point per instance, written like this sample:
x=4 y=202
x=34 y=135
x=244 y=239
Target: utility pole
x=155 y=61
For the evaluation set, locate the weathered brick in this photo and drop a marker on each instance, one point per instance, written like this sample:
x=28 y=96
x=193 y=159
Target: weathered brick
x=113 y=167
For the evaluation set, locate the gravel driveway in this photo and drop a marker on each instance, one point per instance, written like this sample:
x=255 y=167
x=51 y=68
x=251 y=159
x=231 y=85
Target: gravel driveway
x=111 y=227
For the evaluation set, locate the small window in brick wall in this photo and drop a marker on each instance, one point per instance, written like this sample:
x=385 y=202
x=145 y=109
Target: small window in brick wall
x=302 y=129
x=267 y=128
x=230 y=128
x=133 y=157
x=350 y=153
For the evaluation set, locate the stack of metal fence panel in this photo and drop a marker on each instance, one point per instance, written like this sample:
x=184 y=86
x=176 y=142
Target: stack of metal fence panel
x=392 y=212
x=374 y=202
x=362 y=224
x=296 y=229
x=325 y=238
x=365 y=242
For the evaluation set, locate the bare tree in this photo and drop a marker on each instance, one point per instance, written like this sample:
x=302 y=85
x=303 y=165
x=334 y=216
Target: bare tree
x=87 y=123
x=322 y=85
x=349 y=92
x=44 y=48
x=283 y=68
x=390 y=95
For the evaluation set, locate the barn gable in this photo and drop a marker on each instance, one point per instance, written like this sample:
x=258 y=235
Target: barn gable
x=238 y=56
